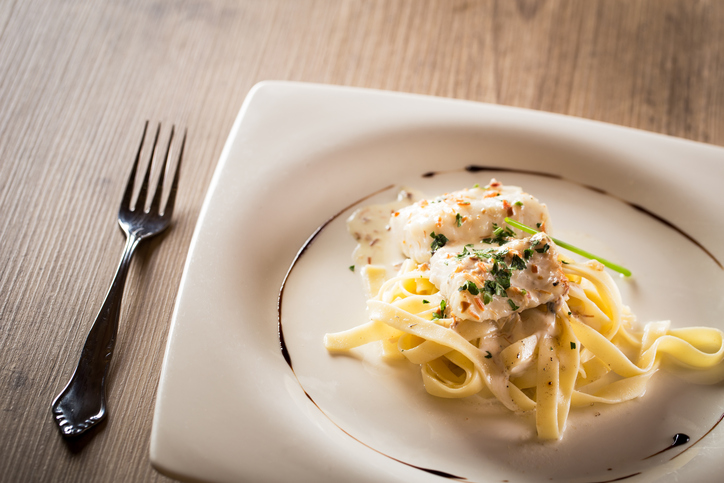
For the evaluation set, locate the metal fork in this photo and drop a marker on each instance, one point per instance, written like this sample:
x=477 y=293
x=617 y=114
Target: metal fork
x=82 y=404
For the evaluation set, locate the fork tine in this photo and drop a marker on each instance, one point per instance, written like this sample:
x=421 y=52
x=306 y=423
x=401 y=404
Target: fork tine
x=156 y=202
x=168 y=210
x=141 y=201
x=128 y=194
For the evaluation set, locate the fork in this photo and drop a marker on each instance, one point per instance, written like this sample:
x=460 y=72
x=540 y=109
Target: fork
x=82 y=404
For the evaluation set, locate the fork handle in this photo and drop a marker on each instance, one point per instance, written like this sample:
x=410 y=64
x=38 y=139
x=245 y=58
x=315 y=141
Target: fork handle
x=82 y=404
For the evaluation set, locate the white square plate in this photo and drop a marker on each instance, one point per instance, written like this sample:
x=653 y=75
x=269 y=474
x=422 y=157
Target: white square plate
x=230 y=408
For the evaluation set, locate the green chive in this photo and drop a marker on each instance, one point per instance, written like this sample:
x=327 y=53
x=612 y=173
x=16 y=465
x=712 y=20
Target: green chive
x=617 y=268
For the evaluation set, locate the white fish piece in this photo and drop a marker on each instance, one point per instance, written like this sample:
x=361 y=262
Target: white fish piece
x=488 y=282
x=466 y=216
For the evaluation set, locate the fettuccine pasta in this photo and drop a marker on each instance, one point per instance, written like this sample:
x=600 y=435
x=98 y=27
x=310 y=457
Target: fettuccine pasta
x=491 y=311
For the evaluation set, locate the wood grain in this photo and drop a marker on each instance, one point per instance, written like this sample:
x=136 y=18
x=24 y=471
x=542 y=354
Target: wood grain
x=78 y=79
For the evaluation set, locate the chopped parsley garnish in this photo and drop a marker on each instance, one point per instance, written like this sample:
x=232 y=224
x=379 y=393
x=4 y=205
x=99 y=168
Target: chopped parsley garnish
x=573 y=345
x=351 y=268
x=538 y=225
x=488 y=355
x=463 y=253
x=487 y=253
x=544 y=249
x=500 y=232
x=518 y=203
x=517 y=263
x=440 y=313
x=425 y=301
x=500 y=235
x=476 y=185
x=512 y=304
x=466 y=251
x=527 y=253
x=487 y=298
x=493 y=287
x=501 y=274
x=438 y=241
x=459 y=219
x=470 y=287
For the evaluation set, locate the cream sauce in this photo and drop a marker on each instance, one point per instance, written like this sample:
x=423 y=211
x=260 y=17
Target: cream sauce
x=370 y=227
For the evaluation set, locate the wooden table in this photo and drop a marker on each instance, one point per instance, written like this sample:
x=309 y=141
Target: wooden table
x=78 y=79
